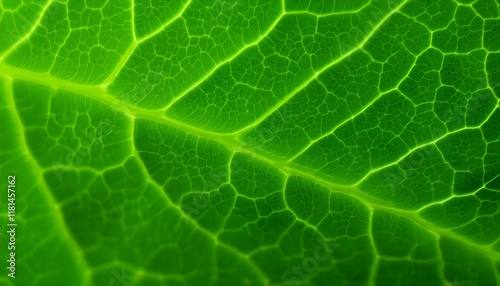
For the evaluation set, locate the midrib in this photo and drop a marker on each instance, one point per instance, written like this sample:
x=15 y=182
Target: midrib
x=99 y=94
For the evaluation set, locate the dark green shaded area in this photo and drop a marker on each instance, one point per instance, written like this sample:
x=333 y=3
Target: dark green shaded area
x=403 y=39
x=465 y=266
x=433 y=14
x=420 y=178
x=338 y=94
x=370 y=140
x=462 y=35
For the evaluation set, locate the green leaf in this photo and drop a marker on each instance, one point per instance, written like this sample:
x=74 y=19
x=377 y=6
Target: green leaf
x=231 y=142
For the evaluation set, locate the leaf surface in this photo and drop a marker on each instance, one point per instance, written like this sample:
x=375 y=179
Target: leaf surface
x=231 y=142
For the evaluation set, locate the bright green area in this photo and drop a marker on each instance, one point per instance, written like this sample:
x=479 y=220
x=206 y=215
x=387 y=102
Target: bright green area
x=232 y=142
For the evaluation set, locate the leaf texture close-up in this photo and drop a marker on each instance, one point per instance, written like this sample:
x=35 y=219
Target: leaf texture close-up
x=250 y=142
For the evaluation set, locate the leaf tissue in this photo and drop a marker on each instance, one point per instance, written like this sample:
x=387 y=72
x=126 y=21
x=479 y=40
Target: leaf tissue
x=232 y=142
